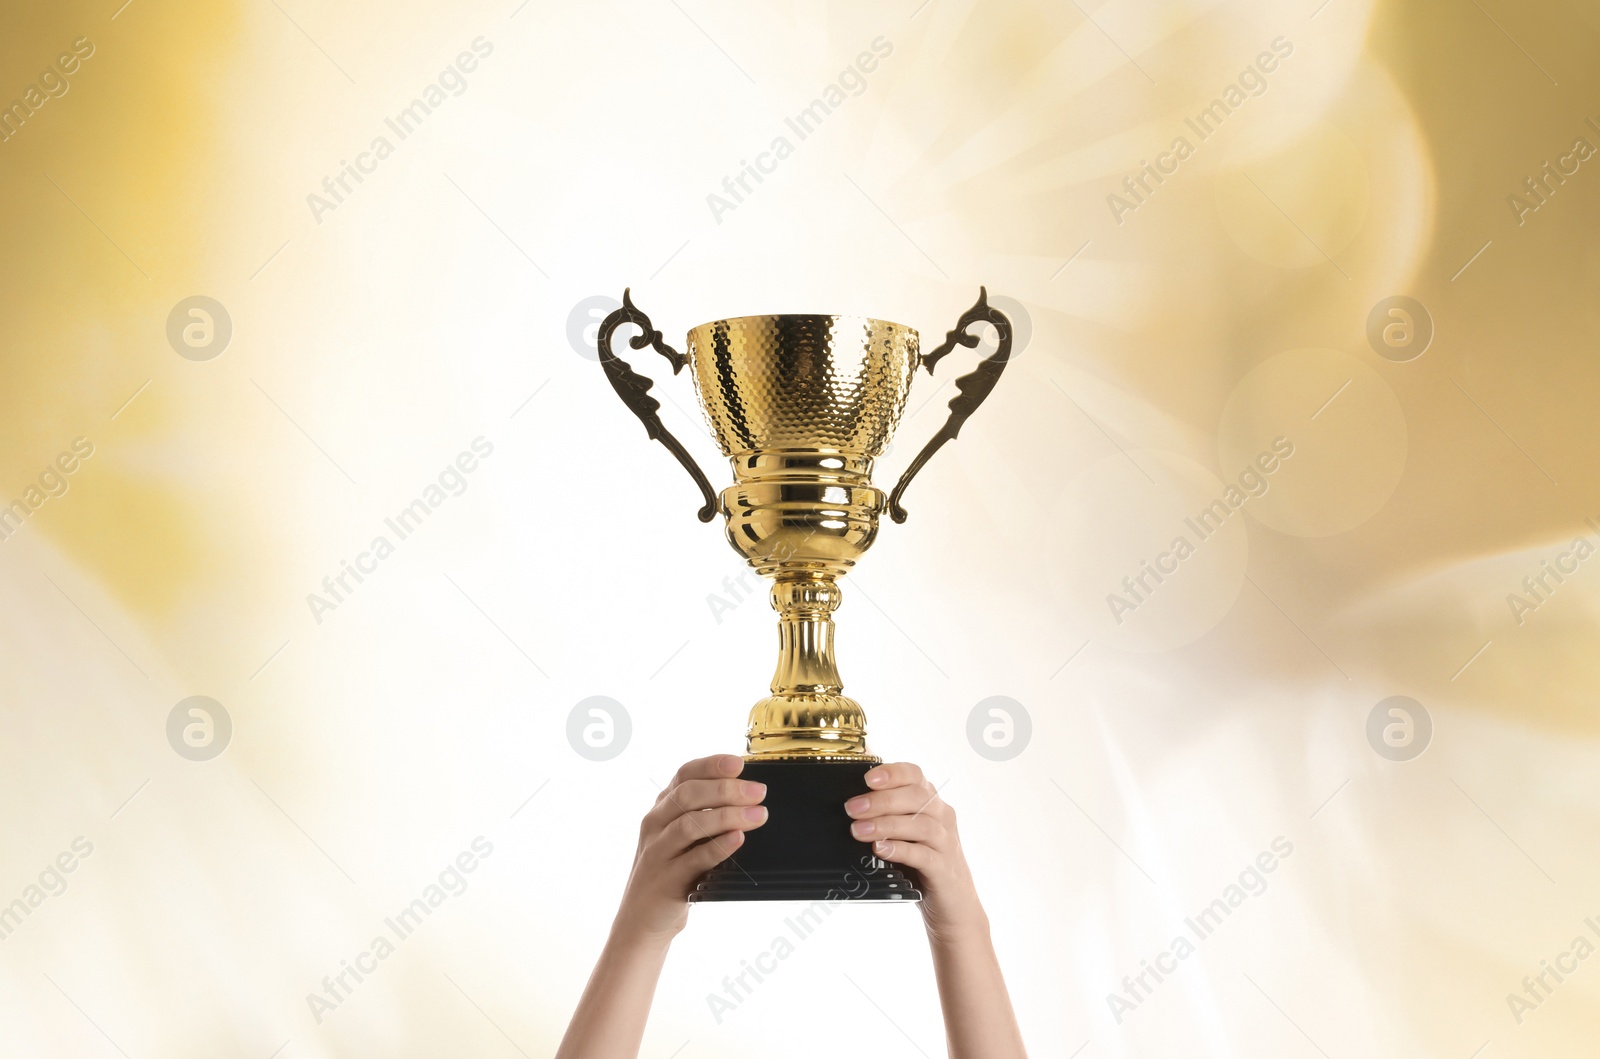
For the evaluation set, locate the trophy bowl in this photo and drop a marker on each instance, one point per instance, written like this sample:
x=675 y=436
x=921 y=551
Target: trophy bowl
x=801 y=405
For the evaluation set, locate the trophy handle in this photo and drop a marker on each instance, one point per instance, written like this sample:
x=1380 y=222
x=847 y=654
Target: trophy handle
x=973 y=387
x=634 y=389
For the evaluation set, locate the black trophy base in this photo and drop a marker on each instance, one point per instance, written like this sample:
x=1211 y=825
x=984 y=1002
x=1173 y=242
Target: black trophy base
x=805 y=852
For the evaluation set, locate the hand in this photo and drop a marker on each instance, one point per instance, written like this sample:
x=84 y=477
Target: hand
x=908 y=823
x=699 y=819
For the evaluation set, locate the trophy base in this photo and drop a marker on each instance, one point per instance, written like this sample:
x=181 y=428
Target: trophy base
x=805 y=852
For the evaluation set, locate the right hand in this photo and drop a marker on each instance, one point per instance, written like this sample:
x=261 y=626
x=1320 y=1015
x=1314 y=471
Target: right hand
x=699 y=820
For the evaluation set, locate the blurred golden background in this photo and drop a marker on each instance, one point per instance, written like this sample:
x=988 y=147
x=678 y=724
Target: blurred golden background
x=1310 y=287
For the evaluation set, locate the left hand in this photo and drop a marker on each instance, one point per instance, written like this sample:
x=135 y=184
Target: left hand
x=906 y=821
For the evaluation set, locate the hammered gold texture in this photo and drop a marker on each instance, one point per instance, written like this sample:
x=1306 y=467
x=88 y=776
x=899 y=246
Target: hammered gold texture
x=803 y=382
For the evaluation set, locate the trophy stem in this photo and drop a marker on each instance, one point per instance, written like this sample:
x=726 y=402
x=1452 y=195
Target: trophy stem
x=806 y=715
x=805 y=637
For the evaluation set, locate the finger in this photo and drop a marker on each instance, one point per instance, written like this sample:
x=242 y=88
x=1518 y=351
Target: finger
x=693 y=827
x=706 y=794
x=910 y=854
x=715 y=766
x=896 y=801
x=922 y=829
x=708 y=855
x=899 y=774
x=708 y=768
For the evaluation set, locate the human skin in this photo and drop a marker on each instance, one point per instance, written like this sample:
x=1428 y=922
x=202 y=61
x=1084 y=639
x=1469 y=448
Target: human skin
x=700 y=819
x=907 y=822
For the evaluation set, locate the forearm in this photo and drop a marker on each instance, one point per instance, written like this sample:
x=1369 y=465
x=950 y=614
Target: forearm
x=978 y=1020
x=609 y=1022
x=908 y=823
x=697 y=822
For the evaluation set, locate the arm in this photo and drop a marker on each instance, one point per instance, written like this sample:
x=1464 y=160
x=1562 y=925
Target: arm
x=699 y=819
x=907 y=822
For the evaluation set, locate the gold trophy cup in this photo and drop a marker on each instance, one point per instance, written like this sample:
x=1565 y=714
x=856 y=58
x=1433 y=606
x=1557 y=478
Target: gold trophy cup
x=801 y=406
